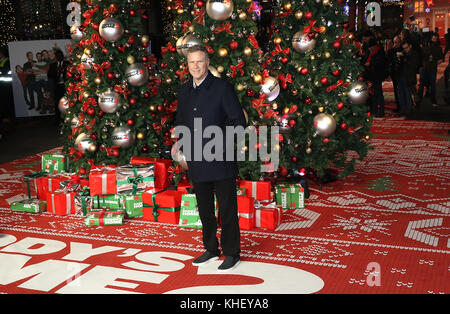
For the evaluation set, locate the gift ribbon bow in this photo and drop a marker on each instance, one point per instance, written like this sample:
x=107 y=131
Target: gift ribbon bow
x=284 y=80
x=259 y=103
x=237 y=67
x=135 y=181
x=200 y=16
x=223 y=28
x=308 y=28
x=155 y=205
x=279 y=50
x=99 y=68
x=34 y=175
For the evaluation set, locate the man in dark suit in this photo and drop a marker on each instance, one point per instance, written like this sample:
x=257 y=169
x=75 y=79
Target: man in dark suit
x=57 y=78
x=212 y=102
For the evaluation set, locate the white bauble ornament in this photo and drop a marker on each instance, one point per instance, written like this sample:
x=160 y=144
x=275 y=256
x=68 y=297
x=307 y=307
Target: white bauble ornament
x=137 y=74
x=302 y=43
x=325 y=124
x=63 y=104
x=179 y=45
x=109 y=101
x=74 y=123
x=271 y=88
x=122 y=136
x=87 y=61
x=75 y=32
x=111 y=29
x=358 y=93
x=219 y=10
x=83 y=142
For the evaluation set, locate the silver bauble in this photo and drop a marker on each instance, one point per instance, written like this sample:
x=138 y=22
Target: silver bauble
x=179 y=45
x=271 y=88
x=214 y=71
x=284 y=123
x=219 y=10
x=122 y=136
x=302 y=43
x=325 y=124
x=87 y=61
x=83 y=142
x=189 y=41
x=63 y=104
x=137 y=74
x=111 y=29
x=109 y=101
x=178 y=156
x=75 y=32
x=358 y=93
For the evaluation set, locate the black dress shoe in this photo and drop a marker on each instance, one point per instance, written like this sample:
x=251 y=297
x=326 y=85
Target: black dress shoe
x=229 y=263
x=205 y=258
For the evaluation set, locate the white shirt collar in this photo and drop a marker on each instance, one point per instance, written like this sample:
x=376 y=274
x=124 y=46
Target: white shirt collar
x=197 y=85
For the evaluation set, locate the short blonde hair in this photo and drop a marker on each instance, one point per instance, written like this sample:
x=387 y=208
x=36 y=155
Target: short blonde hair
x=196 y=48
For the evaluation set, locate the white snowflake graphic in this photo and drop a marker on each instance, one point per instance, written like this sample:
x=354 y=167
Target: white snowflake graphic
x=367 y=225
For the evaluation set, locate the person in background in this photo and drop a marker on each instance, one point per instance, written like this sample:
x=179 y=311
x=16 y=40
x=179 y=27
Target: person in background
x=431 y=56
x=57 y=78
x=5 y=89
x=393 y=67
x=31 y=81
x=447 y=43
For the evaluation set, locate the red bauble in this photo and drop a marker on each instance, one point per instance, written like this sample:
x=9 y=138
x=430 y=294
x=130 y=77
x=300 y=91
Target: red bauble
x=104 y=50
x=340 y=105
x=304 y=71
x=284 y=60
x=234 y=44
x=160 y=108
x=90 y=111
x=280 y=137
x=145 y=148
x=343 y=125
x=130 y=122
x=294 y=159
x=283 y=171
x=144 y=58
x=308 y=15
x=95 y=26
x=292 y=123
x=173 y=49
x=200 y=3
x=132 y=101
x=100 y=114
x=324 y=81
x=147 y=94
x=326 y=140
x=115 y=153
x=336 y=73
x=82 y=171
x=110 y=75
x=308 y=100
x=336 y=45
x=132 y=12
x=113 y=7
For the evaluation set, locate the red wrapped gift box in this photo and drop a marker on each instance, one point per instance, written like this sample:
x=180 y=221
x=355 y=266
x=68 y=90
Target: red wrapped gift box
x=49 y=183
x=246 y=212
x=168 y=206
x=61 y=203
x=103 y=181
x=268 y=216
x=183 y=186
x=161 y=169
x=259 y=190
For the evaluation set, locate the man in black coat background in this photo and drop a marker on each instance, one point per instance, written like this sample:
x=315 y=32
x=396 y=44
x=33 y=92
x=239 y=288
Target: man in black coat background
x=207 y=101
x=57 y=77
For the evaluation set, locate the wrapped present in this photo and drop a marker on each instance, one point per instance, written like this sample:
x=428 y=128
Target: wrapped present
x=61 y=202
x=104 y=218
x=103 y=181
x=132 y=203
x=34 y=188
x=54 y=163
x=112 y=201
x=75 y=183
x=259 y=190
x=246 y=212
x=161 y=169
x=290 y=196
x=268 y=216
x=135 y=178
x=162 y=206
x=29 y=205
x=189 y=216
x=50 y=183
x=83 y=202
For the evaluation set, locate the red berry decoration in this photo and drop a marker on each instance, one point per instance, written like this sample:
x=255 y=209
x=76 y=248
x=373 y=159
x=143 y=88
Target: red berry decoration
x=132 y=13
x=116 y=153
x=326 y=140
x=90 y=111
x=294 y=159
x=292 y=123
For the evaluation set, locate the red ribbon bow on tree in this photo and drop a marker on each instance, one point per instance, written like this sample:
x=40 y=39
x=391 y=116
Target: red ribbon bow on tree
x=200 y=16
x=284 y=80
x=259 y=103
x=99 y=68
x=164 y=50
x=224 y=28
x=88 y=15
x=121 y=90
x=308 y=28
x=333 y=87
x=237 y=67
x=182 y=73
x=279 y=50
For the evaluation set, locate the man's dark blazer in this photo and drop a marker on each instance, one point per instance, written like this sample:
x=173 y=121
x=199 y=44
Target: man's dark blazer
x=214 y=101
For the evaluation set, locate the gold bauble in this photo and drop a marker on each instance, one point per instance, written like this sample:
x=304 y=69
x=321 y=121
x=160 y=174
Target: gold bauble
x=327 y=54
x=145 y=39
x=131 y=59
x=326 y=2
x=87 y=51
x=287 y=6
x=240 y=87
x=308 y=150
x=168 y=80
x=320 y=109
x=322 y=29
x=257 y=78
x=247 y=51
x=367 y=137
x=92 y=147
x=286 y=110
x=223 y=52
x=242 y=15
x=298 y=15
x=277 y=40
x=312 y=57
x=140 y=136
x=152 y=108
x=180 y=11
x=191 y=28
x=220 y=69
x=98 y=80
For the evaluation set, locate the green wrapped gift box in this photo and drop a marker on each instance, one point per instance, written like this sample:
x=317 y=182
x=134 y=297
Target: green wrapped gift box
x=112 y=201
x=54 y=163
x=30 y=205
x=104 y=218
x=189 y=217
x=290 y=196
x=132 y=203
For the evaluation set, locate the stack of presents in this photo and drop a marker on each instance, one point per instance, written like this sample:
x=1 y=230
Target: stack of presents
x=111 y=193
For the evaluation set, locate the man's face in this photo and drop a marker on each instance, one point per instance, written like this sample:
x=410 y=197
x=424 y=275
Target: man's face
x=39 y=57
x=406 y=48
x=198 y=65
x=435 y=39
x=397 y=41
x=30 y=56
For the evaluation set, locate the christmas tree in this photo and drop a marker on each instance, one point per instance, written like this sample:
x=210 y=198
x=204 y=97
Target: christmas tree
x=227 y=29
x=322 y=103
x=110 y=83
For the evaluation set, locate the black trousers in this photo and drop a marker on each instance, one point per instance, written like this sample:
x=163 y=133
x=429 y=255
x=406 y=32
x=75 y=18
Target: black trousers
x=225 y=191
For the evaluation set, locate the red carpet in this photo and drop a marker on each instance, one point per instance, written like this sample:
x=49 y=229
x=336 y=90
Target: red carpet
x=384 y=229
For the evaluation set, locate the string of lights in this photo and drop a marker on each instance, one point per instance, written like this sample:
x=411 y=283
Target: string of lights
x=7 y=22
